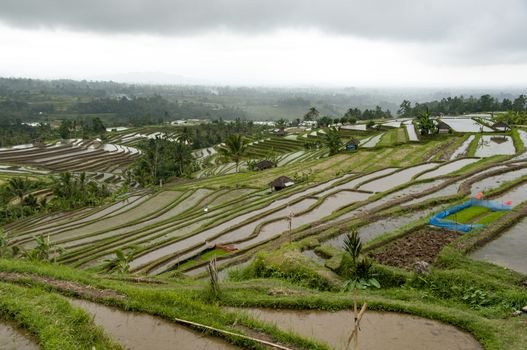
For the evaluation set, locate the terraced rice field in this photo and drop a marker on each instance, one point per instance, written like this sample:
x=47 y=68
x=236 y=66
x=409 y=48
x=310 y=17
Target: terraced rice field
x=465 y=125
x=495 y=145
x=74 y=155
x=379 y=330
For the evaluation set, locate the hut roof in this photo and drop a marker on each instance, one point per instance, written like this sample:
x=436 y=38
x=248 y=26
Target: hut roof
x=282 y=181
x=501 y=124
x=442 y=125
x=353 y=141
x=264 y=164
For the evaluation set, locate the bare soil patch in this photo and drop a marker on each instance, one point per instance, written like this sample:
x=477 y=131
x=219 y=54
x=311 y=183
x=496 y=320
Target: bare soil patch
x=75 y=288
x=421 y=245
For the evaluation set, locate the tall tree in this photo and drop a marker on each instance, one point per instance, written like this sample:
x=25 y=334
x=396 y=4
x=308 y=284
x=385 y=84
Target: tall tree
x=405 y=109
x=425 y=124
x=312 y=114
x=332 y=141
x=234 y=148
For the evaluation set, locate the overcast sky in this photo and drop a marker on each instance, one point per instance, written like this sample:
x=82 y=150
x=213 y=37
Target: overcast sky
x=438 y=43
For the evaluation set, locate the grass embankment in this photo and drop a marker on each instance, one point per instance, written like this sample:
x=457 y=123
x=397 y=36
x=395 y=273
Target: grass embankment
x=180 y=299
x=51 y=320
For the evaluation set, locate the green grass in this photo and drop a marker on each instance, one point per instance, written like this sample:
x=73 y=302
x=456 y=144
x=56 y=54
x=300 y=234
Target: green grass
x=466 y=216
x=53 y=322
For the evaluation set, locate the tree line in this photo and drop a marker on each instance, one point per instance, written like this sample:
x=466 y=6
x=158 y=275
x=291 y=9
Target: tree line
x=460 y=105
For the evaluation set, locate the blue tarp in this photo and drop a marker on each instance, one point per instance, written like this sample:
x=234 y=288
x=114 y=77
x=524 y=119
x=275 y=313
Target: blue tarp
x=437 y=220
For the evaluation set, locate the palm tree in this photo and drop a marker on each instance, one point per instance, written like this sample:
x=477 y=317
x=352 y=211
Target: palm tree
x=312 y=114
x=234 y=148
x=425 y=124
x=332 y=141
x=18 y=187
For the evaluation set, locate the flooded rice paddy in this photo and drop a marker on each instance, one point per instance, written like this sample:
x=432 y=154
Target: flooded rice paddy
x=382 y=226
x=12 y=338
x=489 y=146
x=508 y=250
x=137 y=331
x=378 y=331
x=447 y=168
x=412 y=135
x=463 y=148
x=371 y=142
x=465 y=125
x=395 y=179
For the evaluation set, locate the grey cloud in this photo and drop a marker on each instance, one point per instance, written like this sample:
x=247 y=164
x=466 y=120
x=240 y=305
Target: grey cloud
x=466 y=27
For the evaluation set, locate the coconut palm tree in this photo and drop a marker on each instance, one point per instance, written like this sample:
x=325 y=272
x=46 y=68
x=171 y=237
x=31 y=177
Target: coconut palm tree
x=234 y=148
x=18 y=187
x=332 y=141
x=312 y=114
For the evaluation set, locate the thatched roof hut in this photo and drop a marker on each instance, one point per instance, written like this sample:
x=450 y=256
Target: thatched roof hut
x=442 y=126
x=501 y=126
x=281 y=182
x=264 y=164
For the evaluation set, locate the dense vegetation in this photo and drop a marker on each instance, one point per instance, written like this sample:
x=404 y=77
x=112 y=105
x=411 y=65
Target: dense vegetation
x=461 y=105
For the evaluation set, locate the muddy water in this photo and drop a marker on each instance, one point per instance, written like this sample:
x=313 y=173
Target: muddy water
x=355 y=182
x=137 y=331
x=405 y=192
x=330 y=204
x=207 y=234
x=354 y=127
x=13 y=339
x=155 y=204
x=382 y=226
x=463 y=148
x=179 y=208
x=493 y=145
x=508 y=250
x=465 y=125
x=396 y=179
x=379 y=330
x=372 y=142
x=450 y=190
x=496 y=180
x=447 y=168
x=412 y=136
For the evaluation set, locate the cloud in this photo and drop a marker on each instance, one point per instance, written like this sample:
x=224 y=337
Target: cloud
x=493 y=30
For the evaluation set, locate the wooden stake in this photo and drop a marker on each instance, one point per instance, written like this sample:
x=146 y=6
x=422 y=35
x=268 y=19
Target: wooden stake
x=355 y=332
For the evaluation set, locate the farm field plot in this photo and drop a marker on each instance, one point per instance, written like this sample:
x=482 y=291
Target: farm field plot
x=508 y=250
x=465 y=125
x=384 y=330
x=494 y=145
x=72 y=156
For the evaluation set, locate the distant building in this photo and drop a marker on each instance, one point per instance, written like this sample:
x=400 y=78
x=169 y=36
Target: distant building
x=442 y=127
x=280 y=132
x=281 y=183
x=264 y=164
x=352 y=145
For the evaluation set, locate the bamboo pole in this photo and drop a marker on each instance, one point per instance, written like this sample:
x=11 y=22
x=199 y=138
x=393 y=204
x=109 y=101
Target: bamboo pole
x=355 y=332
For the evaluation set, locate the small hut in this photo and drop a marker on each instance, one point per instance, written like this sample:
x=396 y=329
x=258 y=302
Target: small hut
x=38 y=143
x=501 y=126
x=281 y=183
x=442 y=127
x=264 y=164
x=352 y=145
x=280 y=132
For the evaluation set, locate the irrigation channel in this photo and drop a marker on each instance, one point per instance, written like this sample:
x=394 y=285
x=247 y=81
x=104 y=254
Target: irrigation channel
x=11 y=338
x=379 y=330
